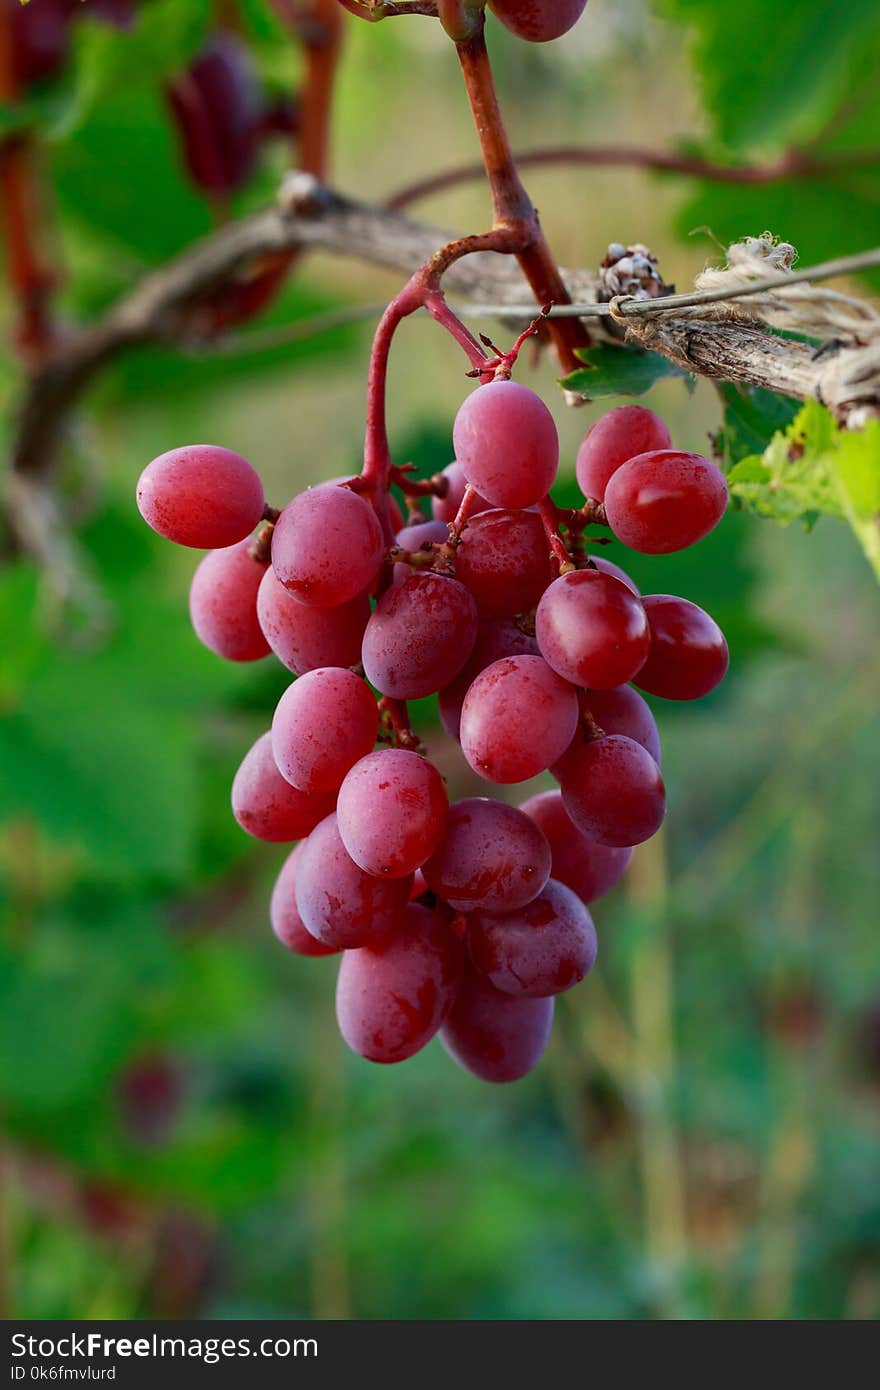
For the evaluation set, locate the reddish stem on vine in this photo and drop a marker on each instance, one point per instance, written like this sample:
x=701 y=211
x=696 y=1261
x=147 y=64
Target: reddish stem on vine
x=550 y=518
x=512 y=206
x=395 y=726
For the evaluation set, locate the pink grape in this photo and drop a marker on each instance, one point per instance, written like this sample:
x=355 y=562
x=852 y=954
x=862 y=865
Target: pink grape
x=392 y=812
x=539 y=21
x=688 y=656
x=496 y=637
x=446 y=508
x=613 y=791
x=592 y=629
x=267 y=806
x=327 y=546
x=518 y=717
x=284 y=916
x=664 y=501
x=338 y=903
x=506 y=442
x=392 y=997
x=609 y=567
x=324 y=723
x=201 y=496
x=504 y=561
x=419 y=636
x=304 y=638
x=420 y=534
x=544 y=948
x=587 y=868
x=491 y=856
x=223 y=603
x=623 y=711
x=619 y=435
x=493 y=1035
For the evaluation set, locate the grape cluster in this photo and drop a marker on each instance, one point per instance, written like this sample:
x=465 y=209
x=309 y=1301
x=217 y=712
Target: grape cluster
x=465 y=919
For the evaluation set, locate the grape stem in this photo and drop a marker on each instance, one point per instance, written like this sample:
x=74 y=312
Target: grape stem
x=590 y=727
x=550 y=518
x=394 y=725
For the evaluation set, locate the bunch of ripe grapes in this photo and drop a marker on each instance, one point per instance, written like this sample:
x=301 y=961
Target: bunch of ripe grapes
x=464 y=919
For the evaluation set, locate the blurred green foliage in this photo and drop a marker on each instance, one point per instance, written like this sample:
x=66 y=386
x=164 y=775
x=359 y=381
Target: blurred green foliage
x=184 y=1131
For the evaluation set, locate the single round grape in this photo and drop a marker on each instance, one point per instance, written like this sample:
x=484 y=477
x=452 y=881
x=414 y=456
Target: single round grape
x=201 y=496
x=446 y=508
x=544 y=948
x=592 y=629
x=517 y=719
x=506 y=442
x=688 y=655
x=623 y=711
x=496 y=637
x=392 y=812
x=538 y=21
x=267 y=806
x=665 y=501
x=587 y=868
x=304 y=638
x=327 y=546
x=338 y=903
x=493 y=1035
x=223 y=603
x=324 y=723
x=284 y=916
x=420 y=534
x=619 y=435
x=392 y=997
x=491 y=856
x=613 y=791
x=419 y=636
x=609 y=567
x=504 y=561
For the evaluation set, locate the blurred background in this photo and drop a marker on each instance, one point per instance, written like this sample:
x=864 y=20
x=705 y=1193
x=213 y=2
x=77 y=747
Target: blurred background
x=185 y=1134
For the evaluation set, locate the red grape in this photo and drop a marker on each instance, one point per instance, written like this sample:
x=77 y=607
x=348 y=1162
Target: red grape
x=419 y=534
x=392 y=812
x=496 y=637
x=267 y=806
x=303 y=637
x=543 y=948
x=504 y=561
x=419 y=636
x=392 y=997
x=506 y=442
x=664 y=501
x=287 y=924
x=223 y=603
x=38 y=38
x=338 y=903
x=619 y=435
x=609 y=567
x=491 y=856
x=592 y=629
x=517 y=718
x=201 y=495
x=587 y=868
x=613 y=790
x=688 y=656
x=539 y=21
x=327 y=546
x=623 y=711
x=324 y=723
x=446 y=508
x=493 y=1035
x=218 y=109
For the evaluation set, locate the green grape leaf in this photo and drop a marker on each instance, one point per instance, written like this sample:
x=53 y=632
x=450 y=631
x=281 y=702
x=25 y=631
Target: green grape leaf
x=751 y=418
x=620 y=372
x=813 y=469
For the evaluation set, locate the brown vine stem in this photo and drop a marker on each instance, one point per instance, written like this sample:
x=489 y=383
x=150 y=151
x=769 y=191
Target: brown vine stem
x=792 y=164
